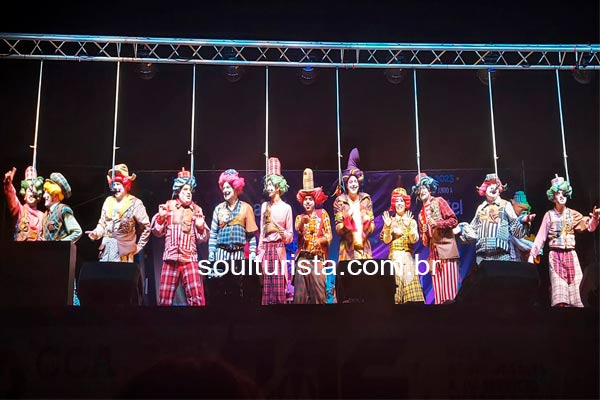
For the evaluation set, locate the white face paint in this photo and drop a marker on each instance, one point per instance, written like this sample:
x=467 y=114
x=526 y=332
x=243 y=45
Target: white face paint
x=400 y=205
x=492 y=192
x=560 y=198
x=228 y=192
x=30 y=198
x=271 y=189
x=49 y=200
x=309 y=203
x=185 y=195
x=353 y=185
x=424 y=193
x=119 y=190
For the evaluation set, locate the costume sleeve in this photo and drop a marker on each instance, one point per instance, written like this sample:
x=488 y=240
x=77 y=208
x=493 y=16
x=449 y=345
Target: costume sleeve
x=288 y=235
x=423 y=227
x=370 y=227
x=448 y=217
x=515 y=226
x=541 y=236
x=261 y=236
x=157 y=226
x=214 y=231
x=72 y=227
x=582 y=223
x=413 y=234
x=341 y=223
x=14 y=207
x=386 y=234
x=143 y=221
x=327 y=234
x=203 y=232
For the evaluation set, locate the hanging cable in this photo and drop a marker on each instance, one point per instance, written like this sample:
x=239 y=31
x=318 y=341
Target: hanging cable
x=562 y=125
x=266 y=121
x=492 y=121
x=37 y=119
x=191 y=150
x=417 y=135
x=115 y=148
x=337 y=103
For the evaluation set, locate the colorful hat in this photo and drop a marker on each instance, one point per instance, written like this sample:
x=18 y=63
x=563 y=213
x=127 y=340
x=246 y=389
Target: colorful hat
x=399 y=192
x=273 y=166
x=32 y=181
x=308 y=189
x=423 y=179
x=352 y=168
x=489 y=180
x=58 y=179
x=184 y=177
x=519 y=202
x=121 y=170
x=559 y=183
x=232 y=177
x=274 y=175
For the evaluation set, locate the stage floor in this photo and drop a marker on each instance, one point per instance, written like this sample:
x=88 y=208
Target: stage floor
x=292 y=351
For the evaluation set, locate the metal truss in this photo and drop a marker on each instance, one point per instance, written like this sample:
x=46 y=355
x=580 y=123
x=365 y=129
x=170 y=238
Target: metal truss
x=299 y=54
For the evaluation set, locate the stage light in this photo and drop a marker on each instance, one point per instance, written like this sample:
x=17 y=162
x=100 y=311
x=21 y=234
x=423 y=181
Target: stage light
x=307 y=75
x=146 y=70
x=394 y=75
x=581 y=74
x=482 y=75
x=233 y=73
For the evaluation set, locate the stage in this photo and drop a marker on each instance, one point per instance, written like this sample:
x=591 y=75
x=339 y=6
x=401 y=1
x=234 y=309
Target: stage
x=293 y=351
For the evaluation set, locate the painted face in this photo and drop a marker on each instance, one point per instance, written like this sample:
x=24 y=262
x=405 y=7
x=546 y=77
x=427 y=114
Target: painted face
x=308 y=203
x=400 y=205
x=49 y=199
x=271 y=189
x=119 y=190
x=30 y=198
x=424 y=193
x=185 y=195
x=228 y=192
x=353 y=185
x=492 y=192
x=560 y=198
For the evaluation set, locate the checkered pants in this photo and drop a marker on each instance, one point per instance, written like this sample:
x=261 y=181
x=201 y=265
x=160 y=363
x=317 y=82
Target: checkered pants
x=274 y=281
x=310 y=288
x=562 y=291
x=192 y=283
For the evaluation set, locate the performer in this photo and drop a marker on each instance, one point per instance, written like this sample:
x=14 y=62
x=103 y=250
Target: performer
x=400 y=233
x=314 y=238
x=494 y=223
x=233 y=226
x=26 y=217
x=181 y=222
x=121 y=214
x=559 y=226
x=275 y=233
x=354 y=222
x=58 y=222
x=436 y=221
x=520 y=248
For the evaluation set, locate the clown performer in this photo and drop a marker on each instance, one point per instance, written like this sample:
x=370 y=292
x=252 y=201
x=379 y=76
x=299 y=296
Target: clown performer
x=520 y=248
x=559 y=226
x=26 y=216
x=181 y=222
x=314 y=238
x=122 y=213
x=233 y=224
x=494 y=223
x=276 y=231
x=400 y=233
x=436 y=221
x=354 y=222
x=58 y=222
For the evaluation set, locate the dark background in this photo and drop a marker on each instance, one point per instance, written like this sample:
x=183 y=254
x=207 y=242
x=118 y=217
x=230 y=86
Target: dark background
x=76 y=116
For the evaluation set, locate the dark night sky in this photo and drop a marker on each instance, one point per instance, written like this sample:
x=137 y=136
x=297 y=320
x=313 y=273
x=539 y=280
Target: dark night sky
x=76 y=123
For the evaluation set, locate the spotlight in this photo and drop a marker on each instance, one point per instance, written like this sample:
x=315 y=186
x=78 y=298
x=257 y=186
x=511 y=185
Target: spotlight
x=482 y=75
x=307 y=75
x=147 y=70
x=233 y=73
x=394 y=75
x=581 y=74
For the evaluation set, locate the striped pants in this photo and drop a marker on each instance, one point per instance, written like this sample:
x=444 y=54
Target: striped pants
x=191 y=279
x=444 y=277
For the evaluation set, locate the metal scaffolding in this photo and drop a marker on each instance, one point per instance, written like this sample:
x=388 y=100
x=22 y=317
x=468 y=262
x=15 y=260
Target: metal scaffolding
x=300 y=54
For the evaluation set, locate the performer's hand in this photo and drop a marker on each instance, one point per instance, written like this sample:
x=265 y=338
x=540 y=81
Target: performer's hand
x=408 y=215
x=162 y=210
x=528 y=218
x=595 y=213
x=387 y=220
x=305 y=219
x=456 y=230
x=8 y=177
x=92 y=235
x=200 y=221
x=530 y=259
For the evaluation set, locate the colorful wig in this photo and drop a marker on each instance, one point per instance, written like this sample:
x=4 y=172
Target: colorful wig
x=54 y=190
x=399 y=192
x=232 y=177
x=36 y=185
x=317 y=194
x=279 y=181
x=565 y=186
x=424 y=180
x=490 y=179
